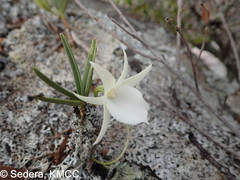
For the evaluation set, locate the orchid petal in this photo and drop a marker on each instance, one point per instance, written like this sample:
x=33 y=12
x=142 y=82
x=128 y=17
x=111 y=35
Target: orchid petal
x=106 y=77
x=128 y=105
x=105 y=124
x=91 y=100
x=134 y=80
x=125 y=68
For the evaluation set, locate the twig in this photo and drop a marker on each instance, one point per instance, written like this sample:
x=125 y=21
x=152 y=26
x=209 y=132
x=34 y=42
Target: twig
x=205 y=18
x=67 y=29
x=134 y=35
x=51 y=26
x=194 y=69
x=178 y=43
x=174 y=110
x=54 y=28
x=206 y=155
x=178 y=38
x=122 y=16
x=203 y=45
x=207 y=105
x=53 y=49
x=161 y=60
x=58 y=135
x=79 y=42
x=233 y=45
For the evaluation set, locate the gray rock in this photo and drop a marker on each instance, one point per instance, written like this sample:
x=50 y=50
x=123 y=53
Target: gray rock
x=3 y=29
x=158 y=151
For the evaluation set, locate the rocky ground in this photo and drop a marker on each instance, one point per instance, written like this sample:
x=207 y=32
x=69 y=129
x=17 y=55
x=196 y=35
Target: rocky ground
x=31 y=131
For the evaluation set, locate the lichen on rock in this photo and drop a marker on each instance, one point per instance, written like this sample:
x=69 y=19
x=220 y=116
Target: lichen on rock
x=160 y=150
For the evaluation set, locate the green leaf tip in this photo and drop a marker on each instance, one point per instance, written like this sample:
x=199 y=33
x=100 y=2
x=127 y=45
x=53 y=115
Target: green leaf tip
x=52 y=84
x=88 y=71
x=73 y=63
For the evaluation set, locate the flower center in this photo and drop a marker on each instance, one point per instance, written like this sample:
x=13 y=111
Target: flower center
x=111 y=93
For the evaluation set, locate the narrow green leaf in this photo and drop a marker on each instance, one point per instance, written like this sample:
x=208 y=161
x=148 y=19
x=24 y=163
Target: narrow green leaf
x=53 y=84
x=88 y=71
x=75 y=70
x=62 y=6
x=61 y=101
x=43 y=4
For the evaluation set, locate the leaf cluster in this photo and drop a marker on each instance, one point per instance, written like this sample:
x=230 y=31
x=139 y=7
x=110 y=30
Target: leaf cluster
x=83 y=84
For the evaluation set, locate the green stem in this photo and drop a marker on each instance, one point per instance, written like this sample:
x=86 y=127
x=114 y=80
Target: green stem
x=120 y=156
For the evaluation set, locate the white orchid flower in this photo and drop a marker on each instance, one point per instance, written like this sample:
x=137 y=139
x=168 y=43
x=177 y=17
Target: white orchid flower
x=124 y=102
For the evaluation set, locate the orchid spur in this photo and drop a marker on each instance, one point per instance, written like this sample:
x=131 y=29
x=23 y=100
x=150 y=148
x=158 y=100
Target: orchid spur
x=121 y=100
